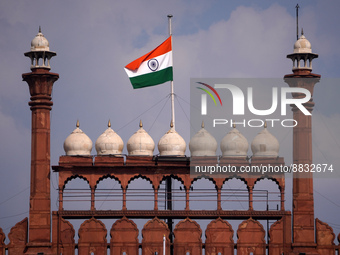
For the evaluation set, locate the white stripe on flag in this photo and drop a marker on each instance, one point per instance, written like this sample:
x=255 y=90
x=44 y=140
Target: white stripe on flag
x=164 y=61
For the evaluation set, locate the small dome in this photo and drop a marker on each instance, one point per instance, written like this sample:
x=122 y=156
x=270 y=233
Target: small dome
x=302 y=45
x=140 y=143
x=203 y=143
x=109 y=142
x=78 y=143
x=171 y=144
x=234 y=144
x=40 y=43
x=265 y=144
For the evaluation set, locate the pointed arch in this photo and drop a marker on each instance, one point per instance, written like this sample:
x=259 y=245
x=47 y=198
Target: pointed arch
x=108 y=193
x=18 y=237
x=67 y=234
x=251 y=236
x=203 y=190
x=124 y=237
x=174 y=176
x=200 y=177
x=73 y=177
x=266 y=194
x=188 y=235
x=219 y=237
x=92 y=237
x=235 y=194
x=108 y=176
x=153 y=232
x=144 y=177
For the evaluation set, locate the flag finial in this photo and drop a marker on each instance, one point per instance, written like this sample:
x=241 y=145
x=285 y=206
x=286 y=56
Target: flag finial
x=297 y=21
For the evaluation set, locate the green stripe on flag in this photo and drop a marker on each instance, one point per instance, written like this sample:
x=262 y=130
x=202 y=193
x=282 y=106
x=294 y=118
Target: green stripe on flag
x=152 y=79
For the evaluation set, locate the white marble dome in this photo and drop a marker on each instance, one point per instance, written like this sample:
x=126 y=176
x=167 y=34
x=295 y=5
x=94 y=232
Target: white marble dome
x=234 y=144
x=171 y=144
x=302 y=45
x=40 y=43
x=203 y=143
x=109 y=142
x=265 y=144
x=140 y=143
x=78 y=143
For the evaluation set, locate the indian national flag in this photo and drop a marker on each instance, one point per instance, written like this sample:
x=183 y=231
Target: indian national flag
x=153 y=68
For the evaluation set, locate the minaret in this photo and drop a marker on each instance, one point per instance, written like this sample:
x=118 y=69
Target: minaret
x=303 y=201
x=40 y=82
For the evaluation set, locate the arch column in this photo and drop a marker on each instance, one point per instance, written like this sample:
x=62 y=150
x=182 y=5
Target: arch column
x=219 y=206
x=124 y=198
x=156 y=199
x=282 y=199
x=61 y=191
x=251 y=188
x=92 y=198
x=187 y=199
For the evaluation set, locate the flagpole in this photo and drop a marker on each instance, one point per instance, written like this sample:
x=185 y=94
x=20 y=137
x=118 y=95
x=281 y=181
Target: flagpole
x=172 y=82
x=163 y=244
x=168 y=179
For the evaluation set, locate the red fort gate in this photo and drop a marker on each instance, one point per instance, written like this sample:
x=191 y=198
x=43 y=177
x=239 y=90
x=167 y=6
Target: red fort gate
x=51 y=232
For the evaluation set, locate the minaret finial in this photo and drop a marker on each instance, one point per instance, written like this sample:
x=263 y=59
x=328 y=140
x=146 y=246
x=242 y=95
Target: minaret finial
x=265 y=124
x=301 y=31
x=297 y=21
x=234 y=125
x=171 y=124
x=140 y=124
x=109 y=123
x=202 y=125
x=77 y=125
x=39 y=29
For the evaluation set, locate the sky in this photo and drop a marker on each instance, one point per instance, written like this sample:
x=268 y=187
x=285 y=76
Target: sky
x=94 y=40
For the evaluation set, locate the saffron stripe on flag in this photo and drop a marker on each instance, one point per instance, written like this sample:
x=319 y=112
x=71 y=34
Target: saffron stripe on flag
x=160 y=50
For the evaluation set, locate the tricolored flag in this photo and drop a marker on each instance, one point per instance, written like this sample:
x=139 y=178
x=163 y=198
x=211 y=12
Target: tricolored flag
x=153 y=68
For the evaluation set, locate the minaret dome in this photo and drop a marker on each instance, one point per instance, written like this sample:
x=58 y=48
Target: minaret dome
x=171 y=144
x=40 y=53
x=302 y=55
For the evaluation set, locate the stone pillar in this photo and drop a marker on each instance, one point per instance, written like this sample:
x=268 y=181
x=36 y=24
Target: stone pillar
x=61 y=195
x=156 y=199
x=92 y=199
x=187 y=199
x=219 y=198
x=282 y=199
x=303 y=200
x=250 y=190
x=40 y=82
x=124 y=198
